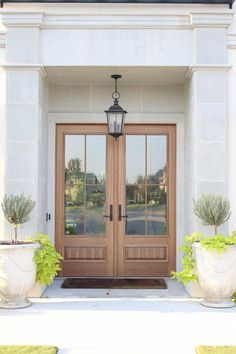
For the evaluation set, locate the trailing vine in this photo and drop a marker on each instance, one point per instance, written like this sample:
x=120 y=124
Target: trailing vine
x=187 y=273
x=46 y=258
x=217 y=243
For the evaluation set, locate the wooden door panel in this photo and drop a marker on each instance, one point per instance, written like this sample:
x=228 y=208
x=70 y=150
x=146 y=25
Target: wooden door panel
x=86 y=248
x=144 y=254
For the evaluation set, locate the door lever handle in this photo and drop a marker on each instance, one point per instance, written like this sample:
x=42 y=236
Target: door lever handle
x=110 y=216
x=120 y=216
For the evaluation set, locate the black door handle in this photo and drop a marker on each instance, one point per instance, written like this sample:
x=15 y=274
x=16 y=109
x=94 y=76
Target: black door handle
x=111 y=213
x=120 y=216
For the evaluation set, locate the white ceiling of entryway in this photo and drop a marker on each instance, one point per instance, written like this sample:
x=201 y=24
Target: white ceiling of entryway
x=130 y=75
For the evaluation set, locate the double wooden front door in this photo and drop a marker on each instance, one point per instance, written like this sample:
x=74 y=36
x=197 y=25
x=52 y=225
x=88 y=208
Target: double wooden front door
x=115 y=200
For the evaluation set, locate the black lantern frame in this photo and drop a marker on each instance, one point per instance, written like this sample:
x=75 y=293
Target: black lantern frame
x=116 y=114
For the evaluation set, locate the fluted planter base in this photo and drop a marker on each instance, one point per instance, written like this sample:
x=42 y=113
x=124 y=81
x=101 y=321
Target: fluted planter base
x=17 y=274
x=14 y=303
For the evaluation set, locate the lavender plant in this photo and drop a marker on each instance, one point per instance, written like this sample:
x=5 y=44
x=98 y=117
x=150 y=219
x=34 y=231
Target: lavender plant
x=212 y=210
x=16 y=210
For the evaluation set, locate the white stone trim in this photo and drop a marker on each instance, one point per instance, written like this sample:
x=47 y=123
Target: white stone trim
x=2 y=39
x=26 y=67
x=206 y=19
x=163 y=118
x=195 y=68
x=125 y=16
x=231 y=41
x=115 y=21
x=99 y=117
x=179 y=190
x=25 y=19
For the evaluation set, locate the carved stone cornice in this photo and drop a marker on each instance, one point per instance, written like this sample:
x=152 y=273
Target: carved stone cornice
x=26 y=67
x=22 y=19
x=111 y=17
x=193 y=68
x=206 y=19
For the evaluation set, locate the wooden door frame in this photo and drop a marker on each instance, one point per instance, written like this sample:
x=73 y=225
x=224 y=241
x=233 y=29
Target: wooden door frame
x=82 y=127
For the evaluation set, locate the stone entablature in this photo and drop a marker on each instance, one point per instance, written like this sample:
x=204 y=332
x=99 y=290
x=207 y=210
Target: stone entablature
x=115 y=16
x=135 y=34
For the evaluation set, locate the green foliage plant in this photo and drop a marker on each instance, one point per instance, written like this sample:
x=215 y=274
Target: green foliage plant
x=46 y=258
x=217 y=243
x=187 y=273
x=16 y=210
x=212 y=210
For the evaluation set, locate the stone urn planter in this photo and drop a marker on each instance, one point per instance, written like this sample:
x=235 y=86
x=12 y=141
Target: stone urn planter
x=17 y=274
x=216 y=274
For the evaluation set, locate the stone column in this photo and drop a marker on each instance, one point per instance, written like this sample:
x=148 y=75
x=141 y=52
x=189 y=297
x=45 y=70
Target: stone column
x=206 y=147
x=232 y=123
x=2 y=125
x=25 y=119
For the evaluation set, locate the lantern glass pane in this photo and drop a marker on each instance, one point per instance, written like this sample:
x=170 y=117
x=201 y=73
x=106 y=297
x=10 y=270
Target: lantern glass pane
x=115 y=122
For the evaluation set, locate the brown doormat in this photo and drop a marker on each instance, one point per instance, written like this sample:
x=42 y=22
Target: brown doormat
x=107 y=283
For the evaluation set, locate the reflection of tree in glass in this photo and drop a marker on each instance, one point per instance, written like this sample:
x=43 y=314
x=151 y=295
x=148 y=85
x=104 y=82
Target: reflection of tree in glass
x=135 y=194
x=74 y=190
x=140 y=180
x=156 y=189
x=73 y=169
x=74 y=193
x=95 y=196
x=74 y=165
x=156 y=195
x=158 y=178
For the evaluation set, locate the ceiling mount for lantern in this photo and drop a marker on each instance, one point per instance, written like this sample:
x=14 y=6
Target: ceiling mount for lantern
x=115 y=114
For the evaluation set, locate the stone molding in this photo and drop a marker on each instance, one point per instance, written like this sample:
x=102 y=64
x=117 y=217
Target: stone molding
x=116 y=21
x=149 y=118
x=22 y=19
x=26 y=67
x=116 y=18
x=43 y=71
x=2 y=39
x=217 y=19
x=231 y=41
x=194 y=68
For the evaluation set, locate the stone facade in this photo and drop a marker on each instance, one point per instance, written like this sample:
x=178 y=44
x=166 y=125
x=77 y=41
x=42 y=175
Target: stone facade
x=178 y=66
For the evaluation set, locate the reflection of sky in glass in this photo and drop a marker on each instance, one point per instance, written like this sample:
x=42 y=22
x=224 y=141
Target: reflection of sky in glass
x=96 y=153
x=135 y=154
x=74 y=148
x=135 y=157
x=156 y=153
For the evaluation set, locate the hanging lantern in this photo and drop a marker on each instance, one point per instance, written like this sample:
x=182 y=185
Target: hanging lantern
x=115 y=114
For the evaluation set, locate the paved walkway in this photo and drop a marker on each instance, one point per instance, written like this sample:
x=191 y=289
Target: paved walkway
x=118 y=325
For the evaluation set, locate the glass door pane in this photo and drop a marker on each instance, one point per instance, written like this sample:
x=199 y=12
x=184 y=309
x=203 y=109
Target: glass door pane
x=135 y=184
x=156 y=208
x=146 y=185
x=85 y=169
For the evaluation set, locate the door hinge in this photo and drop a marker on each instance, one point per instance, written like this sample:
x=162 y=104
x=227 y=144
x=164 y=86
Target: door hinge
x=48 y=216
